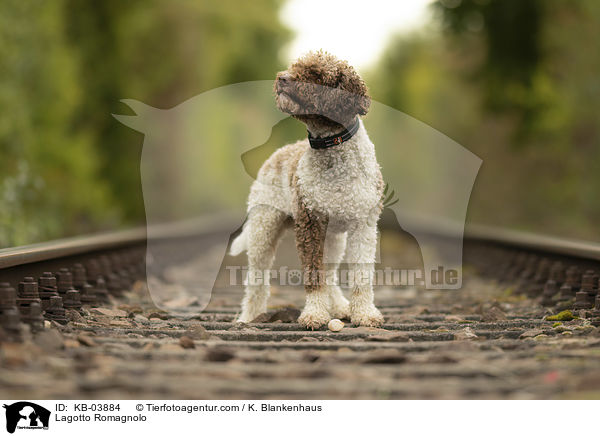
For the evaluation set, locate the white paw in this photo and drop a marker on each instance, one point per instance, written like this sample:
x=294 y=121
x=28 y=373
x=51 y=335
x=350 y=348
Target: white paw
x=243 y=318
x=247 y=316
x=368 y=317
x=313 y=319
x=340 y=308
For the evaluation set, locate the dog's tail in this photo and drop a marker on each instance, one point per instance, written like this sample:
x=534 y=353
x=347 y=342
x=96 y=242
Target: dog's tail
x=239 y=244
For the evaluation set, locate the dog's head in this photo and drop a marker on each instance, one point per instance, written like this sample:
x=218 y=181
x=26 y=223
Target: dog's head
x=320 y=88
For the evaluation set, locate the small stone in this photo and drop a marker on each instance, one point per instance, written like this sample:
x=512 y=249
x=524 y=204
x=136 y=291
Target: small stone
x=540 y=337
x=465 y=334
x=335 y=325
x=219 y=354
x=157 y=315
x=287 y=315
x=74 y=316
x=158 y=323
x=308 y=339
x=531 y=333
x=262 y=318
x=492 y=315
x=131 y=309
x=390 y=337
x=108 y=312
x=198 y=332
x=181 y=302
x=120 y=323
x=186 y=342
x=86 y=340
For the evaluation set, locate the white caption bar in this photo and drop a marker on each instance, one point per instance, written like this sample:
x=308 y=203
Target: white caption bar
x=291 y=417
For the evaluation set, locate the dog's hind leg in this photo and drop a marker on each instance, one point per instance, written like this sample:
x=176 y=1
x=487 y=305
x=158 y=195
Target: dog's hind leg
x=263 y=230
x=335 y=246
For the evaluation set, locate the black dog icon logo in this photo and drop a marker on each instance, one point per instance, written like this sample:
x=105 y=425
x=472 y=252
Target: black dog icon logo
x=26 y=415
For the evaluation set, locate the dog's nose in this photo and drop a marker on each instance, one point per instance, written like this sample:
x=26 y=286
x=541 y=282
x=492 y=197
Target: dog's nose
x=284 y=78
x=283 y=81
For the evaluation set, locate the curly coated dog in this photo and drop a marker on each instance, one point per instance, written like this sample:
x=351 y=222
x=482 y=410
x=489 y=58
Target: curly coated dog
x=328 y=187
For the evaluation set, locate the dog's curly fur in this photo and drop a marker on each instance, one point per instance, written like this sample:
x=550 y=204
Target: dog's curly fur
x=332 y=197
x=331 y=90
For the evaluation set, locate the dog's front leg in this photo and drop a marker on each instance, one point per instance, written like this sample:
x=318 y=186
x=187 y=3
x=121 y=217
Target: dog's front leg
x=361 y=249
x=335 y=247
x=311 y=228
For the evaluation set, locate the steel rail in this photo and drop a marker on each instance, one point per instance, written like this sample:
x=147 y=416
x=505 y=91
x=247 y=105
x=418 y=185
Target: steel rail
x=533 y=241
x=17 y=256
x=495 y=235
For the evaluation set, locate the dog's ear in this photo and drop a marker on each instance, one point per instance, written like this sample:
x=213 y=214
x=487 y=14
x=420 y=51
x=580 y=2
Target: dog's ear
x=355 y=85
x=362 y=104
x=355 y=104
x=342 y=106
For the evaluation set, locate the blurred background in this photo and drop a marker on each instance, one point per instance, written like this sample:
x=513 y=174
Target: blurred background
x=514 y=81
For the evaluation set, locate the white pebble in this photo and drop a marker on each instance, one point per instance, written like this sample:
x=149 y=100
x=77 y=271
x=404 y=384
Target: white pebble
x=335 y=325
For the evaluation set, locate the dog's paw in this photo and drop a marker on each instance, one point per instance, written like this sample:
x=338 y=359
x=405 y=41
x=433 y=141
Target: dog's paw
x=368 y=317
x=242 y=319
x=246 y=317
x=313 y=319
x=340 y=308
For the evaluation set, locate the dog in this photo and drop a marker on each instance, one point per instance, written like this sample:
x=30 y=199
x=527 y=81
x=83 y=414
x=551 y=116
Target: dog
x=327 y=187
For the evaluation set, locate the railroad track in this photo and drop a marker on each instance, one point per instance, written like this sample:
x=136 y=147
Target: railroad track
x=105 y=338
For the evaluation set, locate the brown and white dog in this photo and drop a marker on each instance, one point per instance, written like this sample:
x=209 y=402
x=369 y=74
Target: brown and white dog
x=328 y=187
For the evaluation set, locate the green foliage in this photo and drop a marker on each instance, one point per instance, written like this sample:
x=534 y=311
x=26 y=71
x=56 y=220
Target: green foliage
x=519 y=87
x=510 y=32
x=162 y=54
x=565 y=315
x=66 y=165
x=50 y=180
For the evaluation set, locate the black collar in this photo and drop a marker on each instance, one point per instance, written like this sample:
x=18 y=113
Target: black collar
x=330 y=141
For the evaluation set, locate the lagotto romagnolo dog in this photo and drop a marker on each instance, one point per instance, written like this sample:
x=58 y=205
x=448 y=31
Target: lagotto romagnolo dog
x=328 y=188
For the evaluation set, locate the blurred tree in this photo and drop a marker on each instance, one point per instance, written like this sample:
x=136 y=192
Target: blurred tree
x=517 y=83
x=162 y=53
x=510 y=32
x=67 y=166
x=49 y=174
